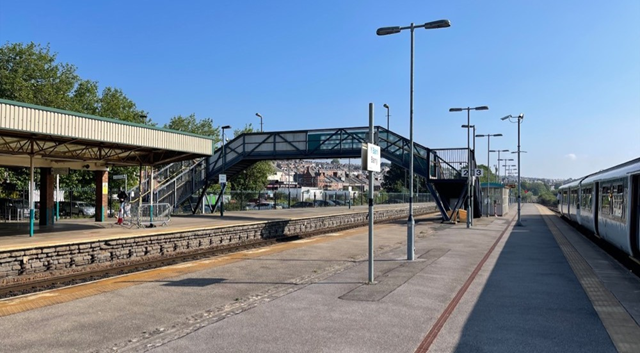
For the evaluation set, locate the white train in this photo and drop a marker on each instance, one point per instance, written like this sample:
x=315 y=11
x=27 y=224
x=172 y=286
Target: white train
x=608 y=204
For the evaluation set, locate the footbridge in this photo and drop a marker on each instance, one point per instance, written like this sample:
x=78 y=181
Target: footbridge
x=441 y=168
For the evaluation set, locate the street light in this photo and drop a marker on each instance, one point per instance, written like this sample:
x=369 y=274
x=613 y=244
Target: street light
x=469 y=178
x=473 y=134
x=387 y=106
x=505 y=164
x=488 y=168
x=498 y=176
x=392 y=30
x=260 y=116
x=519 y=118
x=224 y=161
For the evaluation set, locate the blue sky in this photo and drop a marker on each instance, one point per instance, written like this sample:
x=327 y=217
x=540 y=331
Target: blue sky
x=572 y=67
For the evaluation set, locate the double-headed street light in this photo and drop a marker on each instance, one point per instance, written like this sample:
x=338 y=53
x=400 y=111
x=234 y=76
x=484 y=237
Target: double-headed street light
x=505 y=164
x=498 y=171
x=488 y=136
x=392 y=30
x=473 y=134
x=469 y=166
x=519 y=121
x=260 y=116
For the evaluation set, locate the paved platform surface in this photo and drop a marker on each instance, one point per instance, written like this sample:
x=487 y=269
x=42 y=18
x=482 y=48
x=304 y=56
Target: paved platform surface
x=492 y=288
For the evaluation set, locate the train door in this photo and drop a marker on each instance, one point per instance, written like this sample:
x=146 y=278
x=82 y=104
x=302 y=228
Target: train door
x=596 y=206
x=634 y=219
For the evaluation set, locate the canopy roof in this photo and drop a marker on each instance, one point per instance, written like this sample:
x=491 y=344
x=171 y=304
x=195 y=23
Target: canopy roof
x=63 y=139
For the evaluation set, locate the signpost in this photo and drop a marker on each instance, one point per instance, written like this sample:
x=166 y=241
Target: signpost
x=120 y=177
x=371 y=163
x=222 y=179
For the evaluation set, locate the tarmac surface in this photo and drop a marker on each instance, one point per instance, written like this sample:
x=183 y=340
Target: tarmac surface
x=494 y=287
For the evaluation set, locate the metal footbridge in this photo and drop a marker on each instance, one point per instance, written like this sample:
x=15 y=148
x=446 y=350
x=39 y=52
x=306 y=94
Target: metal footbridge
x=441 y=168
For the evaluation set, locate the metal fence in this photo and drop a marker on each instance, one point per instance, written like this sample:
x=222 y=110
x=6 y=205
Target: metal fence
x=267 y=200
x=146 y=215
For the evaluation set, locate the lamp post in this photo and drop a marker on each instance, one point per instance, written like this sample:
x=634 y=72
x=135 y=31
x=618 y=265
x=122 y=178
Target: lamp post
x=387 y=106
x=224 y=161
x=498 y=171
x=519 y=118
x=473 y=134
x=505 y=164
x=488 y=168
x=383 y=31
x=260 y=116
x=469 y=166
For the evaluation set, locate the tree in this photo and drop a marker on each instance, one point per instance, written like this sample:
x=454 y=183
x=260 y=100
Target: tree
x=487 y=174
x=335 y=161
x=116 y=105
x=29 y=73
x=189 y=123
x=394 y=179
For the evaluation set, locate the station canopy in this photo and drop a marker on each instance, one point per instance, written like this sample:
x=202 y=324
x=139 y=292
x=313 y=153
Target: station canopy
x=63 y=139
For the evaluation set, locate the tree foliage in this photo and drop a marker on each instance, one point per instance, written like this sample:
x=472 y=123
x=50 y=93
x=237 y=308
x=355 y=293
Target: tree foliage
x=30 y=73
x=190 y=124
x=394 y=179
x=487 y=174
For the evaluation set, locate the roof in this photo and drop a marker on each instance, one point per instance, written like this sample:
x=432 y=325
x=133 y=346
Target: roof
x=60 y=138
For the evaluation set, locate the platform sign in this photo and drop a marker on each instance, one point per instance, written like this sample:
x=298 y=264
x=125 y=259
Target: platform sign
x=479 y=172
x=371 y=157
x=60 y=171
x=222 y=178
x=118 y=177
x=465 y=172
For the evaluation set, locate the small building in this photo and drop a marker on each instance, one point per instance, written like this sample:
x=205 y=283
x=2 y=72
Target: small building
x=496 y=201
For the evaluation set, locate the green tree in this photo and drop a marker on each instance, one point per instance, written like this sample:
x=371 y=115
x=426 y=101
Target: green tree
x=190 y=124
x=487 y=174
x=116 y=105
x=394 y=179
x=30 y=74
x=85 y=98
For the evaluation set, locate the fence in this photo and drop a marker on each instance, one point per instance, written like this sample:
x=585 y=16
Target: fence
x=142 y=216
x=266 y=200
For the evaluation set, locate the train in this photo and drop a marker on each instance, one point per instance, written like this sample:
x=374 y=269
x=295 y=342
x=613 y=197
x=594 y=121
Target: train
x=607 y=203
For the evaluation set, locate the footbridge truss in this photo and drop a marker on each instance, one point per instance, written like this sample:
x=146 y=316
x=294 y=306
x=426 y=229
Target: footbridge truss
x=442 y=168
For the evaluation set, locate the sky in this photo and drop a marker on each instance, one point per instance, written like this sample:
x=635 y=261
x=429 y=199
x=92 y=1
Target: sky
x=571 y=67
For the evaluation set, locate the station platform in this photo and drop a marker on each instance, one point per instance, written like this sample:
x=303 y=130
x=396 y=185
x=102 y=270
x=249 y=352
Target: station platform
x=495 y=287
x=15 y=235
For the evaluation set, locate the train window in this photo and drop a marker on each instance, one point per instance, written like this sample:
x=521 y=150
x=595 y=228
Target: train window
x=618 y=201
x=605 y=201
x=574 y=197
x=586 y=199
